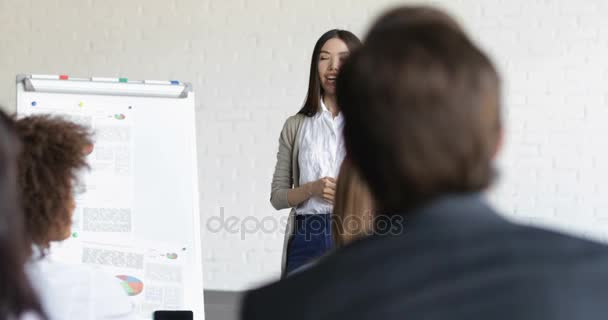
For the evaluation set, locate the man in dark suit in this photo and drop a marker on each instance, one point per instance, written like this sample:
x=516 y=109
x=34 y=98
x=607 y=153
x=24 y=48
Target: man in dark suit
x=422 y=124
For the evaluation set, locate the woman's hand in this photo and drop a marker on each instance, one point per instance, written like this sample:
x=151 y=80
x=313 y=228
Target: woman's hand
x=324 y=188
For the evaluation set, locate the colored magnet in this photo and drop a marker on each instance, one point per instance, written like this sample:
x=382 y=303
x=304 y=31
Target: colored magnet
x=34 y=103
x=63 y=77
x=81 y=104
x=123 y=80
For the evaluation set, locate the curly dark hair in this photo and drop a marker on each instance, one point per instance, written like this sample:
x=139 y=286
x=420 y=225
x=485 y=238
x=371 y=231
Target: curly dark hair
x=53 y=153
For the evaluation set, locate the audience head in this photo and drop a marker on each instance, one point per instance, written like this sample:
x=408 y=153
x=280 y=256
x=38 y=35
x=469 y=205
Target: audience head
x=353 y=208
x=16 y=294
x=328 y=55
x=53 y=152
x=422 y=109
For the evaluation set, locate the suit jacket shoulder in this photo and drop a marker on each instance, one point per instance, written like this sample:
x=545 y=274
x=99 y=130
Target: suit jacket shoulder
x=457 y=259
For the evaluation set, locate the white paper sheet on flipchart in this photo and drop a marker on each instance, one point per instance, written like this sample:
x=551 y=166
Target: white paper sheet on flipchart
x=150 y=202
x=161 y=268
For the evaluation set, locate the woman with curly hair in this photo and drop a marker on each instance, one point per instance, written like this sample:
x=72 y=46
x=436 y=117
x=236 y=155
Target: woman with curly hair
x=17 y=298
x=54 y=151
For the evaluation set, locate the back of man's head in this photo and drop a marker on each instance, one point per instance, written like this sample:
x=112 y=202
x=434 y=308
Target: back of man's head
x=421 y=107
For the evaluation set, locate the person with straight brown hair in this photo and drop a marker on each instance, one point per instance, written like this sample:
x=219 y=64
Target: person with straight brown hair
x=353 y=215
x=18 y=301
x=311 y=149
x=423 y=126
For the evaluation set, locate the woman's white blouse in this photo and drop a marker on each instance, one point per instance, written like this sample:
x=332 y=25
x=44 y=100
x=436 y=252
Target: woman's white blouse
x=321 y=154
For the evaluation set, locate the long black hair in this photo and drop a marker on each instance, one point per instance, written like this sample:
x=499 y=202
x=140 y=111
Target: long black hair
x=16 y=293
x=315 y=91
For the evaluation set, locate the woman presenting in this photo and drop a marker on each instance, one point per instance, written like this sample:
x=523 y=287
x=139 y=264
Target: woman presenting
x=311 y=150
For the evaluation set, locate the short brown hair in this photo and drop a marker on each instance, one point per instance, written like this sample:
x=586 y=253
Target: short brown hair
x=51 y=156
x=421 y=108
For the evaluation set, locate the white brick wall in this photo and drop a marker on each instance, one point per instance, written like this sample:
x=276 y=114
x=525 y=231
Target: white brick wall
x=249 y=59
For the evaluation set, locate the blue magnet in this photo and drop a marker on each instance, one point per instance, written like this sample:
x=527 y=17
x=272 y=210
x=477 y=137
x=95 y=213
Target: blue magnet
x=34 y=103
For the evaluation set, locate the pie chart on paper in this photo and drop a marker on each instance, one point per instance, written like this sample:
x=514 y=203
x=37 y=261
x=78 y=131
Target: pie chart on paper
x=132 y=285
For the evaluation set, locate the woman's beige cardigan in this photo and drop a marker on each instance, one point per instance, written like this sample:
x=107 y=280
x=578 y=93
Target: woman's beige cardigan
x=287 y=175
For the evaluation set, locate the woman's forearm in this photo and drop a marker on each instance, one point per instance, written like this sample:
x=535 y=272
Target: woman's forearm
x=300 y=194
